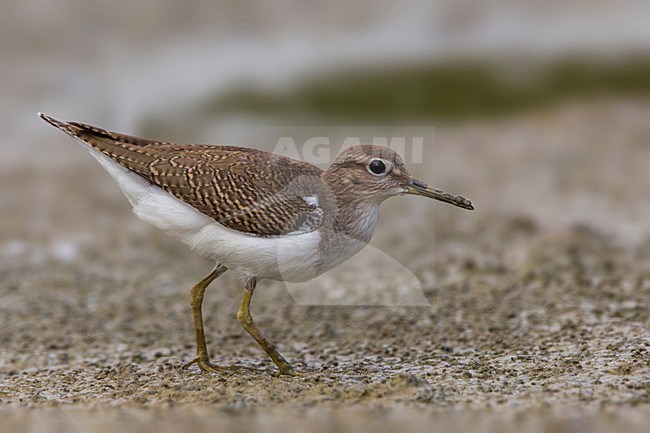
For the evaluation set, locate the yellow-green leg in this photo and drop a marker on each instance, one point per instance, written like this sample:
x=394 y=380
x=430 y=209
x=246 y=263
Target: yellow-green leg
x=196 y=300
x=246 y=320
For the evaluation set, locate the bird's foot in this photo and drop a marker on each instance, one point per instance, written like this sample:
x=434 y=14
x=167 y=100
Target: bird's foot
x=203 y=362
x=286 y=370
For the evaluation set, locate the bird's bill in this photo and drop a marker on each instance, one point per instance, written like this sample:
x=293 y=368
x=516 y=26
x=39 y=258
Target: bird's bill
x=417 y=187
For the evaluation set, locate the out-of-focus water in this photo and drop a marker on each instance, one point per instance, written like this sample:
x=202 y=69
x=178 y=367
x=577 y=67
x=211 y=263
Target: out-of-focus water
x=120 y=63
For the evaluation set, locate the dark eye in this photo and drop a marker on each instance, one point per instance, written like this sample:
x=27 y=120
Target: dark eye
x=377 y=167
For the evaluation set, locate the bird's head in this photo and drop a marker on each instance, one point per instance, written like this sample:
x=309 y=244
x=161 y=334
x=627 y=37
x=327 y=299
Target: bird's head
x=376 y=173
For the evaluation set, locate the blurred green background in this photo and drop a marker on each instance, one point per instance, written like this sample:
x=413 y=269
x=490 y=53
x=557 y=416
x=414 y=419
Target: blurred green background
x=206 y=71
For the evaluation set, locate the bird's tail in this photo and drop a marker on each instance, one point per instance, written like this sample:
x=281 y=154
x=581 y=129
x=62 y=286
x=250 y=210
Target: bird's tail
x=130 y=152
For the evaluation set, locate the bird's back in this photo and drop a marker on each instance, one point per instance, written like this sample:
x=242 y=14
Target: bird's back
x=246 y=190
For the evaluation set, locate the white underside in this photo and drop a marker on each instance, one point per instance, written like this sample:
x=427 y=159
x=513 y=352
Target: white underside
x=289 y=258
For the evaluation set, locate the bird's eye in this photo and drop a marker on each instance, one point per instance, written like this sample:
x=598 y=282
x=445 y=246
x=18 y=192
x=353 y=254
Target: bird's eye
x=377 y=167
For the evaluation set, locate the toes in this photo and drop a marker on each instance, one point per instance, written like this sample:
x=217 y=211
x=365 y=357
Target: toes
x=204 y=365
x=208 y=367
x=286 y=371
x=190 y=363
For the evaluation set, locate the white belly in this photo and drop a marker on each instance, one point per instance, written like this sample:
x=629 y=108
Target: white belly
x=289 y=258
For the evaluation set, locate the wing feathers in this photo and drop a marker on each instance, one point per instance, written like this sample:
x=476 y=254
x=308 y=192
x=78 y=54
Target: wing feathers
x=244 y=189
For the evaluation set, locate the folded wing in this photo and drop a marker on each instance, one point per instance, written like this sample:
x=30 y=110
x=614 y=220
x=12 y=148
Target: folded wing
x=247 y=190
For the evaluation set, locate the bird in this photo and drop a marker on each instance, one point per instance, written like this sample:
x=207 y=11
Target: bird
x=259 y=214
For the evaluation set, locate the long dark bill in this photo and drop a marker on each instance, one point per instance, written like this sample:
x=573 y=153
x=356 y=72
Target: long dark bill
x=417 y=187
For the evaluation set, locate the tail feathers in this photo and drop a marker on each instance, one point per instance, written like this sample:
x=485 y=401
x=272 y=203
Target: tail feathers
x=131 y=152
x=63 y=126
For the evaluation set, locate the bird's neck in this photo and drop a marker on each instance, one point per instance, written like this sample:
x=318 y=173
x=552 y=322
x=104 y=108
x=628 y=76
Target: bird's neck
x=354 y=213
x=358 y=221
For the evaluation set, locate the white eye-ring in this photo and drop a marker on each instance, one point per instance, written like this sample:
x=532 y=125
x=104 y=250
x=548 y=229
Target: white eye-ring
x=378 y=167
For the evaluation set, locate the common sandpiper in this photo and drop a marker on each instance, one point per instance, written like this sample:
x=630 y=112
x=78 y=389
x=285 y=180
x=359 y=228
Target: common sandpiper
x=257 y=213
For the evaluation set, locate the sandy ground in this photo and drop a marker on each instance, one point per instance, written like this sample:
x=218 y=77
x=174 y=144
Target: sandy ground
x=538 y=315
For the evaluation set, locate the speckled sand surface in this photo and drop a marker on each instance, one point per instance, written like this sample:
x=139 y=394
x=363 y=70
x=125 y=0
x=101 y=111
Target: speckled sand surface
x=539 y=300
